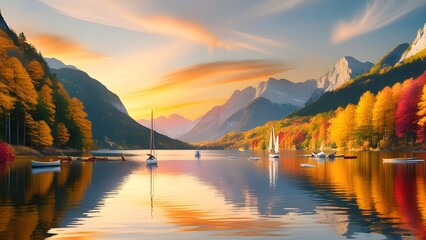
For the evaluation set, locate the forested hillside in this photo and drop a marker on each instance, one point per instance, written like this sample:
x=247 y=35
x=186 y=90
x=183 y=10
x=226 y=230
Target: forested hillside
x=35 y=109
x=394 y=117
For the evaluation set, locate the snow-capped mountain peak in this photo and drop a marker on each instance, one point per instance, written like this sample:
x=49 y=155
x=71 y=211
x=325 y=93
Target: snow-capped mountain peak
x=418 y=44
x=345 y=69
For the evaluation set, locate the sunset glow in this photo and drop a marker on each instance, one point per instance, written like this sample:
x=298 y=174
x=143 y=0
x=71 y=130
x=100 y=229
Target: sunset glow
x=186 y=57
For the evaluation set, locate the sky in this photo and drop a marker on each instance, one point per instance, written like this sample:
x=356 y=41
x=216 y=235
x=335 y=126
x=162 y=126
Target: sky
x=185 y=57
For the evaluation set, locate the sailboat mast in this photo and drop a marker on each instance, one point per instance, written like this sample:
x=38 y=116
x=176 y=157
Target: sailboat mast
x=151 y=140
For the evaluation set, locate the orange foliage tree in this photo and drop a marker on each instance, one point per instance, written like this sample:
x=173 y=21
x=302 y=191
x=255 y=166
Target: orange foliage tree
x=63 y=134
x=46 y=105
x=36 y=72
x=82 y=127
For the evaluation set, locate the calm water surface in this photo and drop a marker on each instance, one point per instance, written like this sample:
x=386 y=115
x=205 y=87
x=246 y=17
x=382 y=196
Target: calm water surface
x=222 y=195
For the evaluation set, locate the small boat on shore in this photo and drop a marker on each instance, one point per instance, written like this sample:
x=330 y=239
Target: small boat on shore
x=402 y=160
x=253 y=158
x=35 y=164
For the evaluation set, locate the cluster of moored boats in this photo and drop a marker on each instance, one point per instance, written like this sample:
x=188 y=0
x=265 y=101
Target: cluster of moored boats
x=57 y=163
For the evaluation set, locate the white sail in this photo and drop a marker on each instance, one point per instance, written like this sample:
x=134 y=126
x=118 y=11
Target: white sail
x=273 y=145
x=277 y=145
x=271 y=140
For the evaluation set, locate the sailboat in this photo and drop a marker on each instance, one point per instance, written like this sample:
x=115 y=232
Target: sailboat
x=273 y=145
x=152 y=159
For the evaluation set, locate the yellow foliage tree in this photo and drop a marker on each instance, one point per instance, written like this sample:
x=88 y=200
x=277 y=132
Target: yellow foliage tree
x=342 y=127
x=422 y=108
x=384 y=113
x=364 y=118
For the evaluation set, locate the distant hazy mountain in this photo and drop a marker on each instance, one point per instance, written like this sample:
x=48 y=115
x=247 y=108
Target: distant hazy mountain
x=112 y=128
x=214 y=118
x=173 y=126
x=57 y=64
x=417 y=45
x=343 y=70
x=271 y=100
x=257 y=113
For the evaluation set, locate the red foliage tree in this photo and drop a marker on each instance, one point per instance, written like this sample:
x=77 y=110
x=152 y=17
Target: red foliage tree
x=6 y=152
x=406 y=117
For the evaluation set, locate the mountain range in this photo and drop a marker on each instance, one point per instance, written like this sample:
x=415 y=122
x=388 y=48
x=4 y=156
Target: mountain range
x=270 y=100
x=301 y=128
x=173 y=126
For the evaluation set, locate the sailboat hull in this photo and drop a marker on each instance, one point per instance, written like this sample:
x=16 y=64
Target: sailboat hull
x=151 y=161
x=274 y=155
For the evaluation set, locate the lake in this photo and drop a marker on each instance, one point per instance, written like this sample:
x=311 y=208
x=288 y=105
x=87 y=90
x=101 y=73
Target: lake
x=222 y=195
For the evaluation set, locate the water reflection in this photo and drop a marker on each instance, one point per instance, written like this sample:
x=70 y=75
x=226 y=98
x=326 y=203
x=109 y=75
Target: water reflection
x=152 y=176
x=273 y=173
x=32 y=201
x=217 y=197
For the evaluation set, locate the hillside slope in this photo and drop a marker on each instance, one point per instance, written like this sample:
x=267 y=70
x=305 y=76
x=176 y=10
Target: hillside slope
x=111 y=127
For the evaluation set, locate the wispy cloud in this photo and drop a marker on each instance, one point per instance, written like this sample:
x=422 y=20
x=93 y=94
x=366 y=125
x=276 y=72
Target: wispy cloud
x=267 y=7
x=217 y=73
x=118 y=14
x=376 y=15
x=58 y=46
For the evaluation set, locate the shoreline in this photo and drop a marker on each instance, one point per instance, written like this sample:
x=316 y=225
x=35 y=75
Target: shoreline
x=27 y=151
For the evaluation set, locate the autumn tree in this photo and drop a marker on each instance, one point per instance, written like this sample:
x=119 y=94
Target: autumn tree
x=36 y=72
x=422 y=108
x=63 y=134
x=384 y=115
x=7 y=102
x=82 y=128
x=342 y=127
x=20 y=87
x=44 y=138
x=406 y=117
x=46 y=106
x=364 y=118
